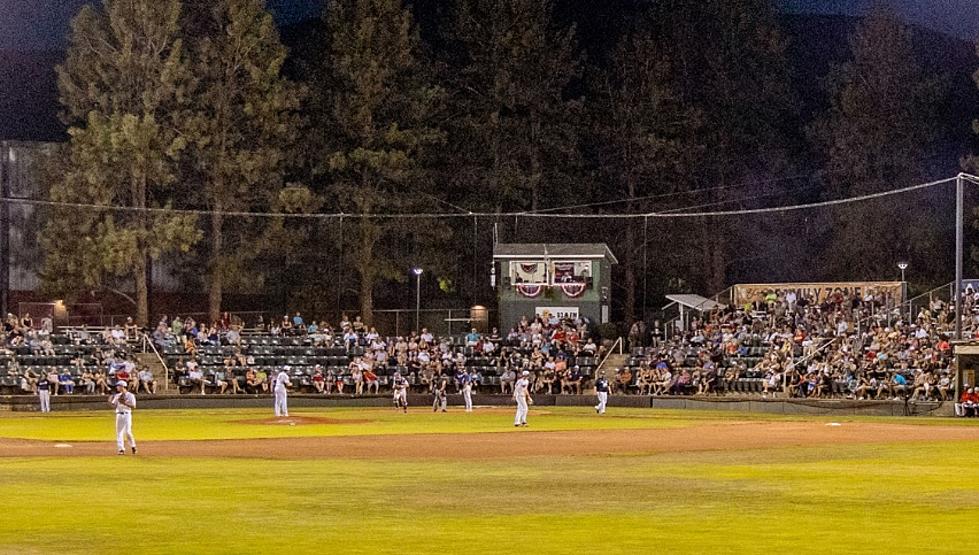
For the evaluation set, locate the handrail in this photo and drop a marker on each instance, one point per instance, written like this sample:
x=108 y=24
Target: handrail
x=609 y=353
x=166 y=369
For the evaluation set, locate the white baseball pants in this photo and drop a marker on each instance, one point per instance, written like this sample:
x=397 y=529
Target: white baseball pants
x=281 y=404
x=521 y=416
x=124 y=430
x=602 y=401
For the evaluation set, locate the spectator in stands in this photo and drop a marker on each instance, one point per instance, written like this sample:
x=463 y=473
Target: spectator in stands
x=319 y=380
x=297 y=323
x=573 y=382
x=473 y=338
x=66 y=382
x=87 y=382
x=131 y=330
x=967 y=402
x=623 y=380
x=196 y=377
x=146 y=381
x=252 y=385
x=506 y=381
x=101 y=382
x=370 y=378
x=262 y=378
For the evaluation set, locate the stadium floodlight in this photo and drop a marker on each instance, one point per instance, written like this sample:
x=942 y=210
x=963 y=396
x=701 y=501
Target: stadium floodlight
x=418 y=294
x=903 y=265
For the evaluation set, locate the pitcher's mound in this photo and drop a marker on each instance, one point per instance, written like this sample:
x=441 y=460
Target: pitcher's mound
x=301 y=421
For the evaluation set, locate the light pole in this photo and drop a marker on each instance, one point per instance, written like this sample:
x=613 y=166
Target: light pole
x=903 y=265
x=418 y=294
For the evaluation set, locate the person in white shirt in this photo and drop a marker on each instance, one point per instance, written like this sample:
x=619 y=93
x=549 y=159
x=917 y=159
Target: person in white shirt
x=123 y=402
x=521 y=394
x=282 y=381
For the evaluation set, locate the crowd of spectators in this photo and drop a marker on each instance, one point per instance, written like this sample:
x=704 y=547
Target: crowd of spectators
x=80 y=362
x=552 y=350
x=780 y=345
x=785 y=345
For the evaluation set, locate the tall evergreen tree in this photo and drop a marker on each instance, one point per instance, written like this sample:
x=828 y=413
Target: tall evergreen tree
x=241 y=124
x=124 y=78
x=728 y=60
x=374 y=106
x=515 y=135
x=877 y=135
x=644 y=140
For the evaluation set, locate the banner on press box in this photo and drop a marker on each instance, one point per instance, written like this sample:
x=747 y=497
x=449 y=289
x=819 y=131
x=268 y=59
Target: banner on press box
x=561 y=312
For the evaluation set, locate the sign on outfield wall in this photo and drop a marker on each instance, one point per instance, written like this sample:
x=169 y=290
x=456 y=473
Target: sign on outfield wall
x=561 y=312
x=818 y=292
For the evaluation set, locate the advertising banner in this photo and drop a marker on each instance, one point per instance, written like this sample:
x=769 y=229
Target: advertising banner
x=818 y=292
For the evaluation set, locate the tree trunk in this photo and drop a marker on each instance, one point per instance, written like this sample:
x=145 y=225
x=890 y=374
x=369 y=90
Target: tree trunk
x=367 y=298
x=215 y=290
x=629 y=281
x=142 y=291
x=141 y=273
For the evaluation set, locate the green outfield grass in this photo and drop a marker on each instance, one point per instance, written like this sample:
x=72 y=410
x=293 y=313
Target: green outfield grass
x=921 y=497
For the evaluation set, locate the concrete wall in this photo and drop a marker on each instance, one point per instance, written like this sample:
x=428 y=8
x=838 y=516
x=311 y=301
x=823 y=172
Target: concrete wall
x=732 y=404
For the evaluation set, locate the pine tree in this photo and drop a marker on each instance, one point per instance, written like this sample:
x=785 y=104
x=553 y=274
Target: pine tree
x=374 y=108
x=517 y=129
x=877 y=135
x=728 y=60
x=124 y=77
x=241 y=125
x=644 y=140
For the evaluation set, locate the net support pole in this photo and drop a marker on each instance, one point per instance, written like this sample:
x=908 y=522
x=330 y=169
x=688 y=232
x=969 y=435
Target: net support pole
x=959 y=190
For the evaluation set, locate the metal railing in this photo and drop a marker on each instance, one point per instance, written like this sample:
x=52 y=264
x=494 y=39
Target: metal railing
x=601 y=365
x=147 y=340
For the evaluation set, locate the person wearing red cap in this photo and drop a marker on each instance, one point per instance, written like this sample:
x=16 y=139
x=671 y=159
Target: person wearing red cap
x=124 y=402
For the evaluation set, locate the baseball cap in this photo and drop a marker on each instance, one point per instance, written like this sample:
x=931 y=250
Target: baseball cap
x=122 y=383
x=526 y=373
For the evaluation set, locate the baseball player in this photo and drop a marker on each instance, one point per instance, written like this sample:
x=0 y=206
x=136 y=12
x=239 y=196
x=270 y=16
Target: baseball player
x=440 y=399
x=400 y=387
x=467 y=390
x=601 y=390
x=124 y=402
x=521 y=394
x=44 y=394
x=282 y=381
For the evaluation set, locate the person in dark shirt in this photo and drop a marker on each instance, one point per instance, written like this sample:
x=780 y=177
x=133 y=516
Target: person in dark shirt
x=601 y=390
x=440 y=399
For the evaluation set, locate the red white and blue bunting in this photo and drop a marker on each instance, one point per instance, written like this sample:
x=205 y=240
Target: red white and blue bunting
x=530 y=290
x=574 y=290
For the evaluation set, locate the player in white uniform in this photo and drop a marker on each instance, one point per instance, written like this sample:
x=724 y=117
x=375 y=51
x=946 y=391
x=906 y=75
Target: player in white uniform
x=124 y=402
x=400 y=387
x=521 y=394
x=601 y=390
x=282 y=381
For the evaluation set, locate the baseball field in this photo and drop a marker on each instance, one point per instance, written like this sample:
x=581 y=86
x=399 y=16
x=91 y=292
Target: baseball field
x=377 y=481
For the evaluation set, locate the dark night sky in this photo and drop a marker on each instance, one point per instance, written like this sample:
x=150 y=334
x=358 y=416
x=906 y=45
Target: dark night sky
x=43 y=24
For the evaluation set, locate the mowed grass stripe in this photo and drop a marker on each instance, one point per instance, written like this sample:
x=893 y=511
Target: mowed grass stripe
x=152 y=425
x=853 y=499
